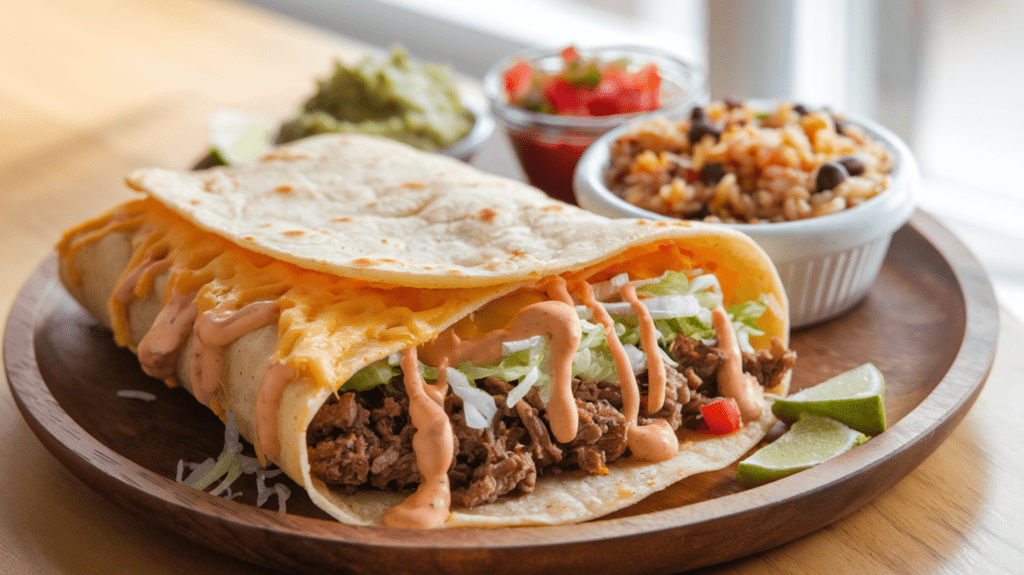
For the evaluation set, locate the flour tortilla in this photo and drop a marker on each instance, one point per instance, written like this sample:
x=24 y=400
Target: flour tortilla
x=372 y=209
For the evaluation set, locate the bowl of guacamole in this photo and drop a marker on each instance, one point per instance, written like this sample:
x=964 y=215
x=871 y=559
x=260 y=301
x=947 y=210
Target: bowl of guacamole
x=390 y=96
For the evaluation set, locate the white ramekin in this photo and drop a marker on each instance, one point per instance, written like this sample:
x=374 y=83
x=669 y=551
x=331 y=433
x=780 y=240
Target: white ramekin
x=828 y=263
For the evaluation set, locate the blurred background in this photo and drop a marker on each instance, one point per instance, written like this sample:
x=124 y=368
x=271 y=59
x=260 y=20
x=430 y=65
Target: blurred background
x=946 y=75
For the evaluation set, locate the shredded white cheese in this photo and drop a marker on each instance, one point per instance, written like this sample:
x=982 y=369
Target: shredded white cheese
x=228 y=467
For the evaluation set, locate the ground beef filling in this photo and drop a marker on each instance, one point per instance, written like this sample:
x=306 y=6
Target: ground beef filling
x=364 y=439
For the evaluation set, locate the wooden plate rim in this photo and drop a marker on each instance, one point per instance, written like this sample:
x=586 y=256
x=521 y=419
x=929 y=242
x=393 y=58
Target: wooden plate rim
x=938 y=412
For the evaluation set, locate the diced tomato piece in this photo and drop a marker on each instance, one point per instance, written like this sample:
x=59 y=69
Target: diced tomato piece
x=722 y=417
x=615 y=74
x=603 y=105
x=570 y=54
x=565 y=99
x=646 y=78
x=605 y=100
x=517 y=80
x=644 y=87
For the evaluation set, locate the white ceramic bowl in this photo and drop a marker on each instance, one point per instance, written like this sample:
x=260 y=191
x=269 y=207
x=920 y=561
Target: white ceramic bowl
x=828 y=263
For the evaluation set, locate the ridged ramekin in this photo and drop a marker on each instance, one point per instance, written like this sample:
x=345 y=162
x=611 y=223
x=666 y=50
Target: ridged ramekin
x=828 y=263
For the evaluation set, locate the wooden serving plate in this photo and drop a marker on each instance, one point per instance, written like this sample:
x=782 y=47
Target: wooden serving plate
x=929 y=324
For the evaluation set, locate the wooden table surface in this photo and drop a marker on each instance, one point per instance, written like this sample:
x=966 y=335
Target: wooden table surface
x=92 y=89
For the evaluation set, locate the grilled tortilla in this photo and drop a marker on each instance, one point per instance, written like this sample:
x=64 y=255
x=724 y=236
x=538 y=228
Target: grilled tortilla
x=271 y=290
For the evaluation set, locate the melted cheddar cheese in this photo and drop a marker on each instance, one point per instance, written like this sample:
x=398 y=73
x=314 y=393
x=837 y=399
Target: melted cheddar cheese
x=329 y=326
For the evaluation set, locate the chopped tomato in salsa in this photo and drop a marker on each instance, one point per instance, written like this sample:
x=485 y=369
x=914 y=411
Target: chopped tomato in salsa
x=584 y=87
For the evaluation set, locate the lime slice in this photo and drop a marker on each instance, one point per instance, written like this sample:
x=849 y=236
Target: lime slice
x=239 y=138
x=810 y=441
x=856 y=398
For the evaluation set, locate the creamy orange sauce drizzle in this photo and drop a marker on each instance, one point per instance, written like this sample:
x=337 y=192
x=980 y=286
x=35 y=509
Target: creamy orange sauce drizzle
x=434 y=446
x=732 y=381
x=128 y=288
x=556 y=289
x=268 y=400
x=214 y=331
x=159 y=348
x=653 y=442
x=649 y=343
x=135 y=282
x=555 y=320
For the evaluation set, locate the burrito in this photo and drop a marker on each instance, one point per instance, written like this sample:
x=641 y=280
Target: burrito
x=419 y=344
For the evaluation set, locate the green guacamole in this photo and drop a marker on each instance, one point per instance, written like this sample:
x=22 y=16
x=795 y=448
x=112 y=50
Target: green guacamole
x=393 y=97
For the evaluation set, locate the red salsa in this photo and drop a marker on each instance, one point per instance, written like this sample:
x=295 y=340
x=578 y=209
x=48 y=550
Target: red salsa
x=582 y=87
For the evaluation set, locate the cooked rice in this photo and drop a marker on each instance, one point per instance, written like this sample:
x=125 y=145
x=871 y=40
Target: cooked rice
x=747 y=165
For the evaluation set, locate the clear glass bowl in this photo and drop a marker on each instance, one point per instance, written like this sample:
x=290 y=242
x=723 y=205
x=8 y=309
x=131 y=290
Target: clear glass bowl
x=549 y=145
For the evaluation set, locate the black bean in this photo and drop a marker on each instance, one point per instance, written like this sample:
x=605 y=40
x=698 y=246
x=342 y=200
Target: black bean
x=701 y=128
x=711 y=173
x=837 y=121
x=801 y=109
x=853 y=165
x=732 y=102
x=829 y=176
x=698 y=114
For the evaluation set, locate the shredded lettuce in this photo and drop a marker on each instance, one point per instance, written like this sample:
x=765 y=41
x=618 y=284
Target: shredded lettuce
x=679 y=302
x=228 y=467
x=747 y=315
x=377 y=373
x=478 y=405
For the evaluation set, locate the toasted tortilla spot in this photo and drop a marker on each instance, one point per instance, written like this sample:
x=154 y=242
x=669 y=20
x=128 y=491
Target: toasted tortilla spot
x=342 y=220
x=413 y=185
x=285 y=189
x=218 y=184
x=294 y=233
x=487 y=215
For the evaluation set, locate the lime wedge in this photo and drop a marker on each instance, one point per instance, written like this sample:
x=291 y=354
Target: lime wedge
x=810 y=441
x=856 y=398
x=239 y=138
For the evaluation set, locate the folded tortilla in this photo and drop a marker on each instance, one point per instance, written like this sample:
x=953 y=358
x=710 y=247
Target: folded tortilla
x=348 y=250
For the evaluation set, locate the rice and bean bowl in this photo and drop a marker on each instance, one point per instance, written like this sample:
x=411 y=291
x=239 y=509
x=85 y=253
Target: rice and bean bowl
x=732 y=162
